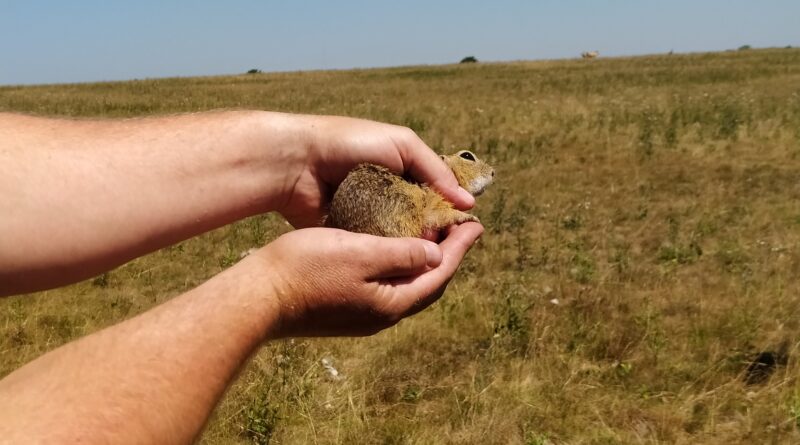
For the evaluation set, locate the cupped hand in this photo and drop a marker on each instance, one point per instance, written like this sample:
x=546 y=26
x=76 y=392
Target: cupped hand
x=329 y=282
x=338 y=144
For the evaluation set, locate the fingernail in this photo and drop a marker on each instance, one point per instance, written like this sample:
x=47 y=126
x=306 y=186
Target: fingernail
x=466 y=197
x=433 y=254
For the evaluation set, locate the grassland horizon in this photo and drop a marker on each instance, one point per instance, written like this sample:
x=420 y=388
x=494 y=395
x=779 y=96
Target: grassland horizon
x=641 y=250
x=257 y=70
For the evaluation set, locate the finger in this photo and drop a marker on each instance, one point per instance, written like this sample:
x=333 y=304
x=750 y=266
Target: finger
x=417 y=293
x=424 y=165
x=399 y=257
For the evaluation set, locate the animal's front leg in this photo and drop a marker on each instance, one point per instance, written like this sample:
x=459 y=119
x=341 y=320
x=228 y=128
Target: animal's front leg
x=444 y=218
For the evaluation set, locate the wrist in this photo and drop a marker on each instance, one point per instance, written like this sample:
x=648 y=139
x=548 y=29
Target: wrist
x=248 y=301
x=281 y=144
x=297 y=143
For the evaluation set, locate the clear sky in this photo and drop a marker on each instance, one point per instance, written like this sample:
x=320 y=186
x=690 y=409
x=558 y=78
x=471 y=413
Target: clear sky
x=54 y=41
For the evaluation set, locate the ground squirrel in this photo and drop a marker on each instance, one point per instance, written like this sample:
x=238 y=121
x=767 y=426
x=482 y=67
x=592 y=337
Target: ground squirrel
x=373 y=200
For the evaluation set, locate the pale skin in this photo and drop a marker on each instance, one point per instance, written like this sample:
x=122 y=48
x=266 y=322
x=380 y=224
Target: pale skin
x=81 y=197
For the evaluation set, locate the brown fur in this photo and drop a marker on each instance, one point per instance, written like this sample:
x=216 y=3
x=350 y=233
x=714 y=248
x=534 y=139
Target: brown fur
x=376 y=201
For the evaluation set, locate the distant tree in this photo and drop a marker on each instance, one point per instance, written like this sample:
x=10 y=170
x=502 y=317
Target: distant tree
x=469 y=59
x=788 y=46
x=744 y=47
x=254 y=71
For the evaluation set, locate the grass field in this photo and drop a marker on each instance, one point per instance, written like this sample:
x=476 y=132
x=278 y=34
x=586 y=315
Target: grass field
x=641 y=247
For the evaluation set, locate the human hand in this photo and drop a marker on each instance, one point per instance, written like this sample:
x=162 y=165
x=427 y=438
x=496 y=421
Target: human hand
x=338 y=144
x=328 y=282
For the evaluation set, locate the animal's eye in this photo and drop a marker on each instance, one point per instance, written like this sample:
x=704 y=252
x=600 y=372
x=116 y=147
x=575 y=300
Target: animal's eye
x=467 y=155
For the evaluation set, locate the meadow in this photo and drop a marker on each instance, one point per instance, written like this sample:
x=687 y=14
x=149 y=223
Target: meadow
x=641 y=249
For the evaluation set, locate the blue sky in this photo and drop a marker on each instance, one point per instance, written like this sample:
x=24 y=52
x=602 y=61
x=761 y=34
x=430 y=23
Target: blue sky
x=49 y=41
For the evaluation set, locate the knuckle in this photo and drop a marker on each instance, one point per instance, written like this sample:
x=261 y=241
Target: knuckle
x=398 y=262
x=414 y=256
x=408 y=134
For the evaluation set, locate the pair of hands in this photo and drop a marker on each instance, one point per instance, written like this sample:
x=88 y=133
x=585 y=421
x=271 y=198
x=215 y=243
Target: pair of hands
x=332 y=282
x=126 y=188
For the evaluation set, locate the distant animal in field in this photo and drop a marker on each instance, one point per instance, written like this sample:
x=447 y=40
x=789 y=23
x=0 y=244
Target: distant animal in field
x=590 y=54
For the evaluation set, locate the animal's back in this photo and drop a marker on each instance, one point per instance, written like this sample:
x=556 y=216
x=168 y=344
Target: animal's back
x=374 y=200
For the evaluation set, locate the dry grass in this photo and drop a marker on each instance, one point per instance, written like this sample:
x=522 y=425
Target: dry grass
x=655 y=199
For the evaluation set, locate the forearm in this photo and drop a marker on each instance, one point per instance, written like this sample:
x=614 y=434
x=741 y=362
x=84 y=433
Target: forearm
x=80 y=197
x=152 y=379
x=155 y=378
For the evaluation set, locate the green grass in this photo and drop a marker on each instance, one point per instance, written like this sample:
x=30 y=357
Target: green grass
x=654 y=199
